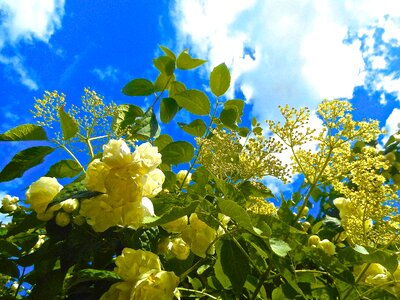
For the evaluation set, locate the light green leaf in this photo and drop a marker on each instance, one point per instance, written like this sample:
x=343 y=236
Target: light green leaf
x=279 y=247
x=194 y=101
x=69 y=126
x=24 y=132
x=64 y=168
x=361 y=249
x=162 y=141
x=23 y=161
x=196 y=127
x=186 y=62
x=163 y=82
x=168 y=109
x=138 y=87
x=147 y=126
x=220 y=80
x=175 y=212
x=168 y=52
x=228 y=116
x=125 y=115
x=236 y=104
x=170 y=179
x=177 y=152
x=165 y=64
x=176 y=87
x=236 y=212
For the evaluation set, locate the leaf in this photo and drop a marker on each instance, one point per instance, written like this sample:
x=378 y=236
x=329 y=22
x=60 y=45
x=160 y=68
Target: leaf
x=196 y=127
x=69 y=127
x=175 y=87
x=177 y=152
x=64 y=168
x=86 y=275
x=23 y=161
x=236 y=104
x=49 y=286
x=146 y=126
x=138 y=87
x=256 y=189
x=279 y=247
x=220 y=80
x=175 y=212
x=162 y=141
x=163 y=82
x=165 y=64
x=125 y=115
x=236 y=212
x=194 y=101
x=24 y=132
x=186 y=62
x=168 y=52
x=229 y=274
x=8 y=248
x=8 y=267
x=170 y=179
x=228 y=116
x=168 y=109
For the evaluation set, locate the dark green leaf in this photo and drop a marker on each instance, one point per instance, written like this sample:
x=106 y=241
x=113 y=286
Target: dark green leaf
x=168 y=52
x=176 y=87
x=235 y=104
x=23 y=161
x=8 y=267
x=165 y=64
x=162 y=141
x=186 y=62
x=220 y=80
x=243 y=131
x=69 y=127
x=170 y=179
x=25 y=132
x=138 y=87
x=64 y=168
x=9 y=248
x=93 y=275
x=175 y=212
x=196 y=127
x=177 y=152
x=194 y=101
x=168 y=109
x=48 y=287
x=256 y=189
x=236 y=212
x=124 y=116
x=228 y=116
x=279 y=247
x=231 y=275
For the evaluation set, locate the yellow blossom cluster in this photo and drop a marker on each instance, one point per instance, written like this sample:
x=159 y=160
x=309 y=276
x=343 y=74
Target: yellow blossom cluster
x=224 y=155
x=260 y=206
x=142 y=277
x=9 y=204
x=127 y=180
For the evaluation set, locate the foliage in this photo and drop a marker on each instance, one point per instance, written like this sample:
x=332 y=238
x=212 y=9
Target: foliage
x=133 y=223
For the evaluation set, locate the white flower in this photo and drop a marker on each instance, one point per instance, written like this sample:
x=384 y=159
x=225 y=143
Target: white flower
x=181 y=176
x=116 y=153
x=146 y=158
x=152 y=183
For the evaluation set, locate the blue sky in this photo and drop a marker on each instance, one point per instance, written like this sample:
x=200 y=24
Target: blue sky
x=295 y=52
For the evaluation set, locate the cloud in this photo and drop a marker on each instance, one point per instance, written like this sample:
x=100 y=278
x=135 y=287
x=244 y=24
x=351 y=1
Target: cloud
x=108 y=73
x=295 y=52
x=392 y=124
x=27 y=21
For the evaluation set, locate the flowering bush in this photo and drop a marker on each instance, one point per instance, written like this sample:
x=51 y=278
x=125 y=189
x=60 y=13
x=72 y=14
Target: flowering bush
x=147 y=217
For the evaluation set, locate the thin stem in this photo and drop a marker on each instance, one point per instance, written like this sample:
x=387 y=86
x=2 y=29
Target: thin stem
x=70 y=153
x=160 y=94
x=19 y=283
x=192 y=268
x=357 y=280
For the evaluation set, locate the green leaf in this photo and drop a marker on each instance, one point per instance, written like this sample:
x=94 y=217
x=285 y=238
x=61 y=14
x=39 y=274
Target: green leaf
x=163 y=82
x=236 y=212
x=8 y=248
x=8 y=267
x=146 y=126
x=236 y=104
x=162 y=141
x=86 y=275
x=168 y=109
x=186 y=62
x=231 y=275
x=177 y=152
x=69 y=127
x=24 y=132
x=228 y=116
x=256 y=189
x=138 y=87
x=49 y=286
x=194 y=101
x=124 y=116
x=196 y=127
x=64 y=168
x=279 y=247
x=23 y=161
x=168 y=52
x=165 y=64
x=176 y=87
x=175 y=212
x=220 y=80
x=170 y=179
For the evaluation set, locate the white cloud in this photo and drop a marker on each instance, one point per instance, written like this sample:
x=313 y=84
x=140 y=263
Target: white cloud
x=303 y=51
x=108 y=73
x=392 y=124
x=27 y=21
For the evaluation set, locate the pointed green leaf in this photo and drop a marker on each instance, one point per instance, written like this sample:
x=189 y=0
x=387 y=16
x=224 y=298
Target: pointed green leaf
x=24 y=132
x=124 y=116
x=168 y=52
x=69 y=127
x=186 y=62
x=163 y=82
x=23 y=161
x=194 y=101
x=220 y=80
x=162 y=141
x=177 y=152
x=228 y=116
x=165 y=64
x=93 y=275
x=64 y=168
x=236 y=212
x=176 y=87
x=231 y=275
x=236 y=104
x=147 y=126
x=196 y=128
x=139 y=87
x=280 y=247
x=168 y=109
x=175 y=212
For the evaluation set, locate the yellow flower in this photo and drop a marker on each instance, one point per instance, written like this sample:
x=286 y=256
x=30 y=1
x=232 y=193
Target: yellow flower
x=132 y=213
x=181 y=176
x=327 y=246
x=152 y=183
x=155 y=285
x=62 y=219
x=375 y=274
x=345 y=207
x=96 y=175
x=146 y=158
x=41 y=193
x=116 y=153
x=118 y=291
x=313 y=240
x=131 y=264
x=70 y=205
x=122 y=187
x=179 y=248
x=176 y=226
x=10 y=204
x=199 y=236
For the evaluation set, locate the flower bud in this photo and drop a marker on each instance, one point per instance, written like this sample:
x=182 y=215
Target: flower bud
x=179 y=248
x=313 y=240
x=306 y=226
x=70 y=205
x=62 y=219
x=327 y=246
x=79 y=220
x=304 y=212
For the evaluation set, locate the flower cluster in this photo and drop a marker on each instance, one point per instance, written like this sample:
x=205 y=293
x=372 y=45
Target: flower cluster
x=326 y=245
x=259 y=206
x=126 y=180
x=142 y=277
x=10 y=204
